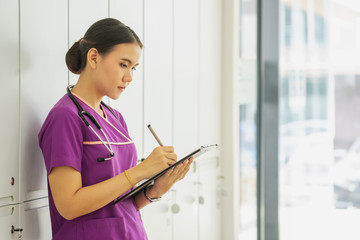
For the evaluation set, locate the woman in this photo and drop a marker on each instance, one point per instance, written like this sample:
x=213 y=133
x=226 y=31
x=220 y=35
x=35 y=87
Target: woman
x=88 y=168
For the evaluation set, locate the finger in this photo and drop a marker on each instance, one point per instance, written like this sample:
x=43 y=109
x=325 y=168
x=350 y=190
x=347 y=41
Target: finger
x=185 y=170
x=183 y=173
x=170 y=162
x=169 y=172
x=185 y=164
x=169 y=149
x=174 y=176
x=178 y=168
x=172 y=156
x=190 y=161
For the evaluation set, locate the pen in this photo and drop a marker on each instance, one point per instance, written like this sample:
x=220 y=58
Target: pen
x=156 y=137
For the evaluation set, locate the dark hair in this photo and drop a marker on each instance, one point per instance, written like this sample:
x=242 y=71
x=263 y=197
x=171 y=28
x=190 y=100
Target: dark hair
x=102 y=35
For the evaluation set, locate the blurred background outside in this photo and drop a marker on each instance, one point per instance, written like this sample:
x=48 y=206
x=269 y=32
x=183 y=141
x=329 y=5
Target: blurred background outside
x=319 y=119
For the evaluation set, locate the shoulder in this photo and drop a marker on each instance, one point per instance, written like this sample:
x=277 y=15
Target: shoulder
x=64 y=109
x=64 y=114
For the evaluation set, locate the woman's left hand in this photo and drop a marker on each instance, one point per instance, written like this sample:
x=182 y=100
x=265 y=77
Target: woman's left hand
x=165 y=182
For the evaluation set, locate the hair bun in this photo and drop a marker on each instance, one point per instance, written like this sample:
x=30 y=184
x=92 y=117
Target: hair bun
x=73 y=58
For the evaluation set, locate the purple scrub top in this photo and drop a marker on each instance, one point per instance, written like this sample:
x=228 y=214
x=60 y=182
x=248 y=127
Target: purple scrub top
x=65 y=140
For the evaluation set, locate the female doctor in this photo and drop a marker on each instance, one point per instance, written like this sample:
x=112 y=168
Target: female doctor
x=89 y=167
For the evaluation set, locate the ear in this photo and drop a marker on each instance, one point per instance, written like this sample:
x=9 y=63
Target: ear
x=93 y=57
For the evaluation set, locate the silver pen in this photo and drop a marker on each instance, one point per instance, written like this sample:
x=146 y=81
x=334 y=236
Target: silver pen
x=156 y=137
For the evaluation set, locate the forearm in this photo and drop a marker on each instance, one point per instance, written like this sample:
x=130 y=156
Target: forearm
x=91 y=198
x=87 y=199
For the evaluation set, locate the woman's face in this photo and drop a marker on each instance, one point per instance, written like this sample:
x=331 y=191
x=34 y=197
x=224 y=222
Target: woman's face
x=115 y=69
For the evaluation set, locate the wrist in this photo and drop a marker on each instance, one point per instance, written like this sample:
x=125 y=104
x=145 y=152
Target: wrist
x=149 y=195
x=152 y=192
x=135 y=174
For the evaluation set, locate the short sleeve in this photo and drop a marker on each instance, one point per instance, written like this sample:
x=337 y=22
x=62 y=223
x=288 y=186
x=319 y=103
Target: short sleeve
x=61 y=140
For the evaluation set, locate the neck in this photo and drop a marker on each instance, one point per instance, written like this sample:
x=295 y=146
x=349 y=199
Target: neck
x=89 y=93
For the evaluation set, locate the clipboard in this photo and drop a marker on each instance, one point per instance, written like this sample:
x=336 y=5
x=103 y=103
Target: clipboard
x=196 y=153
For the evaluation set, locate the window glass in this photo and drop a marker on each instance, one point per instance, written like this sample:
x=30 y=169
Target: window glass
x=248 y=107
x=319 y=126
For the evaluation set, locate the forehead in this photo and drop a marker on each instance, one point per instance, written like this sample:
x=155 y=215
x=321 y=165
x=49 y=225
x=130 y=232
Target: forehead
x=130 y=51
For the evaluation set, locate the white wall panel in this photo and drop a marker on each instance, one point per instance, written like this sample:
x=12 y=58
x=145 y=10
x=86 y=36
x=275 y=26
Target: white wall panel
x=130 y=13
x=210 y=71
x=8 y=218
x=43 y=82
x=130 y=103
x=158 y=98
x=186 y=75
x=158 y=82
x=9 y=97
x=210 y=118
x=209 y=198
x=35 y=219
x=176 y=89
x=82 y=14
x=186 y=106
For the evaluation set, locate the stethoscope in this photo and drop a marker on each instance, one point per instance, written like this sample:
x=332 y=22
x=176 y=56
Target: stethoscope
x=82 y=113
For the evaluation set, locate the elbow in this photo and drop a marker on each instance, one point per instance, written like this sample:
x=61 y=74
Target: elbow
x=67 y=216
x=67 y=212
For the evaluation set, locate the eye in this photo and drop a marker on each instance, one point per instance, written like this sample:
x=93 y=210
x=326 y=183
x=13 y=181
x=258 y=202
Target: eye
x=123 y=65
x=134 y=68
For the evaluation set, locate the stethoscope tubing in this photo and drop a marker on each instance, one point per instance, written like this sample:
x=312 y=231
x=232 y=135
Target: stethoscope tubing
x=82 y=115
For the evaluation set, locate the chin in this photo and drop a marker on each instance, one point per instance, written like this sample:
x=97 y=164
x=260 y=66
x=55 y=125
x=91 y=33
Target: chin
x=114 y=96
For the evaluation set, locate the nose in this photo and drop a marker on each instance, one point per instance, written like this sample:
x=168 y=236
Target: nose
x=128 y=76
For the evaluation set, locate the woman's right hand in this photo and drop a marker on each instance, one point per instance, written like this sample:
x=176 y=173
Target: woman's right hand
x=159 y=159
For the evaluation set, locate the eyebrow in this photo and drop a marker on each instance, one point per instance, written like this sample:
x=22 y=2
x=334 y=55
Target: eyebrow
x=128 y=60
